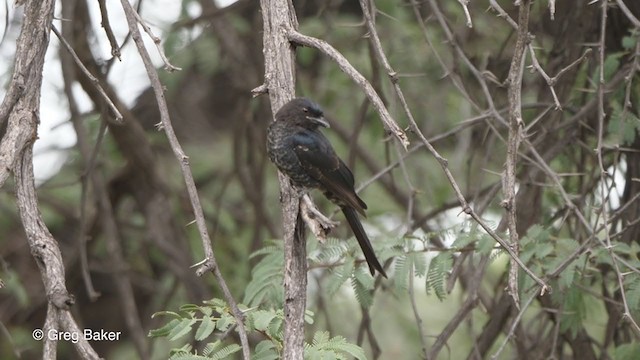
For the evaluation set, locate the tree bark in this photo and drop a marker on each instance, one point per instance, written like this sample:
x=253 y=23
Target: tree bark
x=279 y=81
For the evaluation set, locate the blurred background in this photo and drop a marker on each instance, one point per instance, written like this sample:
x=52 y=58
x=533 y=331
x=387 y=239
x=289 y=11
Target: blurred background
x=447 y=276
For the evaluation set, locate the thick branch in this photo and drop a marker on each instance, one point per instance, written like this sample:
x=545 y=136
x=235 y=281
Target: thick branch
x=279 y=19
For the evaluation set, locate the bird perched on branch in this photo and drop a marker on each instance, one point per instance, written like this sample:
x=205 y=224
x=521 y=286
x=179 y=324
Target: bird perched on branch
x=298 y=148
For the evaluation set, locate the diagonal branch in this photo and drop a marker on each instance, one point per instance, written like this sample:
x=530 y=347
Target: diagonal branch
x=210 y=263
x=324 y=47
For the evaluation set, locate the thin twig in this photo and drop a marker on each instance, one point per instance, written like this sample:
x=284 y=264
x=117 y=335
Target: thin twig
x=467 y=15
x=634 y=20
x=544 y=75
x=117 y=116
x=157 y=41
x=515 y=323
x=106 y=25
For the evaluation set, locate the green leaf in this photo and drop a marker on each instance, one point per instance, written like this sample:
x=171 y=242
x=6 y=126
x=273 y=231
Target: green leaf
x=363 y=294
x=632 y=285
x=486 y=244
x=339 y=277
x=574 y=311
x=225 y=321
x=623 y=123
x=190 y=308
x=211 y=348
x=181 y=329
x=629 y=42
x=265 y=350
x=419 y=264
x=402 y=270
x=320 y=338
x=207 y=325
x=226 y=351
x=262 y=319
x=165 y=330
x=323 y=347
x=628 y=351
x=308 y=317
x=438 y=269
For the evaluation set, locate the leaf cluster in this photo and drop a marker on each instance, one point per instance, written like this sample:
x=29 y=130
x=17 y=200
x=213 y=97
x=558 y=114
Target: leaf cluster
x=214 y=319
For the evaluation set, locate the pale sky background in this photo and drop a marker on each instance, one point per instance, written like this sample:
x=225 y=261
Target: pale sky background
x=56 y=133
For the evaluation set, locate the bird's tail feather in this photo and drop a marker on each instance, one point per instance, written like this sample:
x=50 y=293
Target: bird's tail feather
x=363 y=240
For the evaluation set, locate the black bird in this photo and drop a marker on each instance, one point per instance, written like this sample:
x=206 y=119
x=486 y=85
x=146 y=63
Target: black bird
x=298 y=148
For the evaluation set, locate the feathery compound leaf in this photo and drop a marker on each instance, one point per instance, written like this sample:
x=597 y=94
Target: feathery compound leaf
x=401 y=273
x=439 y=266
x=182 y=329
x=207 y=325
x=165 y=330
x=262 y=319
x=266 y=281
x=186 y=355
x=419 y=263
x=331 y=251
x=339 y=277
x=320 y=338
x=225 y=321
x=211 y=348
x=265 y=350
x=324 y=347
x=225 y=352
x=463 y=239
x=362 y=291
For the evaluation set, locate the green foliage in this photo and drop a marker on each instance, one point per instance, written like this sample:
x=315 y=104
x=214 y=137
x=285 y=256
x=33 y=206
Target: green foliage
x=215 y=315
x=266 y=277
x=362 y=284
x=212 y=351
x=438 y=269
x=324 y=347
x=624 y=124
x=628 y=351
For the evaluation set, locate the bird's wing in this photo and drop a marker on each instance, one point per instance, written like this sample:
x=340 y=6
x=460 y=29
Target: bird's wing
x=320 y=161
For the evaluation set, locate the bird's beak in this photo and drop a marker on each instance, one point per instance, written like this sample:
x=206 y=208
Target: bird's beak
x=319 y=120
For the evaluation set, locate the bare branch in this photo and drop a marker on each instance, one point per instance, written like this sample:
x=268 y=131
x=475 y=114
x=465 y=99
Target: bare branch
x=389 y=123
x=156 y=40
x=106 y=25
x=116 y=113
x=634 y=20
x=464 y=4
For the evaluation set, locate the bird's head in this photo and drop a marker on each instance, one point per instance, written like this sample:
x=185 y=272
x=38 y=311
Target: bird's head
x=302 y=112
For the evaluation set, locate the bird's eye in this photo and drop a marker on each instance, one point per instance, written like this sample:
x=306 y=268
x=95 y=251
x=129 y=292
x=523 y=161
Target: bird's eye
x=305 y=110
